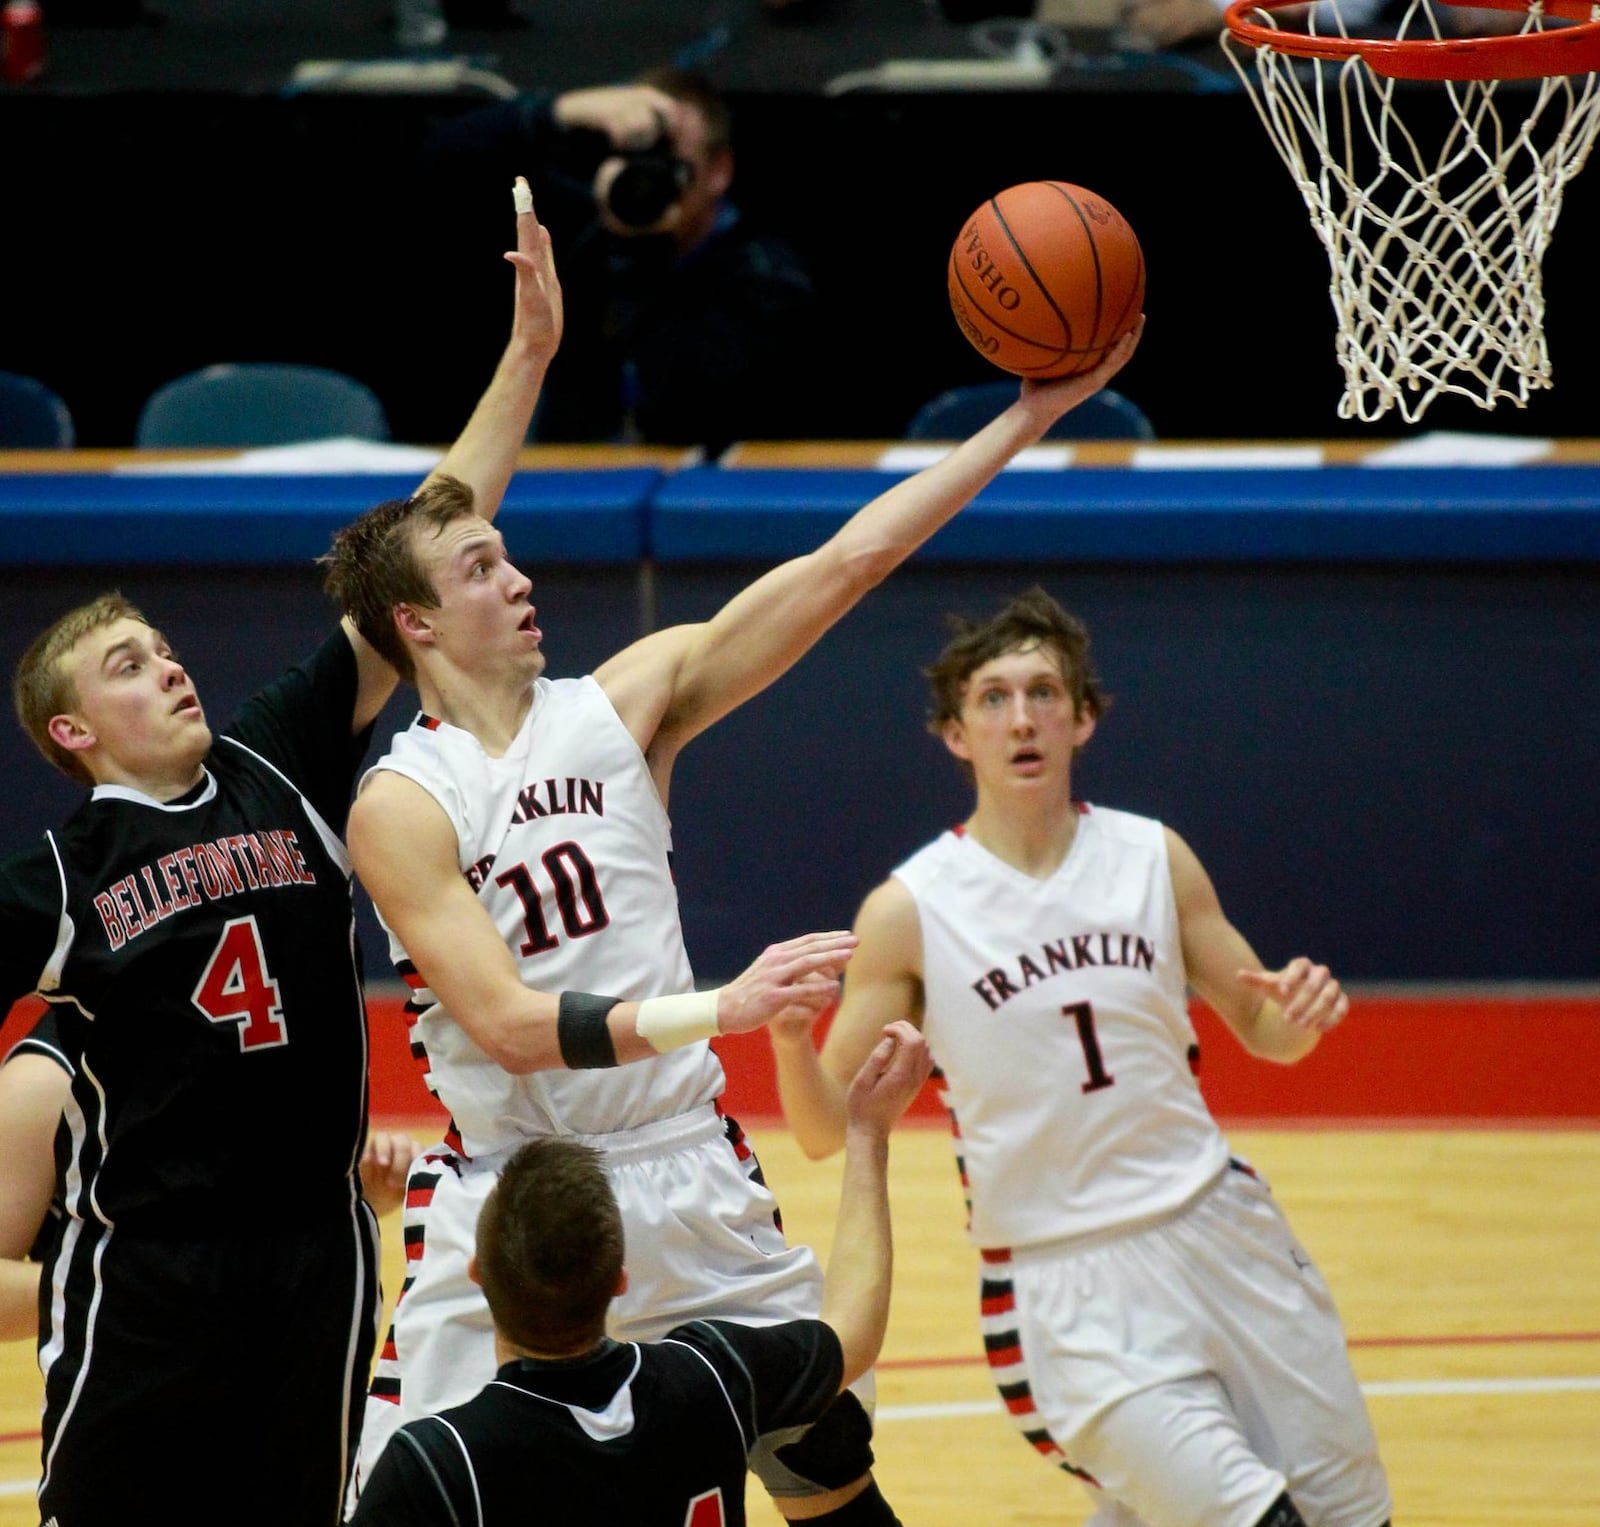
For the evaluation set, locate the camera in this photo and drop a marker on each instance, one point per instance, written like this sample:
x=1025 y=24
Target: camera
x=649 y=182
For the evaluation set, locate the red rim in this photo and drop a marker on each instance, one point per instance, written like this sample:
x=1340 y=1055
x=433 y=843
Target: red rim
x=1532 y=55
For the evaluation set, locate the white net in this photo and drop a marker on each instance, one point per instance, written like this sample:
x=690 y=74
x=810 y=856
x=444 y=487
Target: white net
x=1435 y=202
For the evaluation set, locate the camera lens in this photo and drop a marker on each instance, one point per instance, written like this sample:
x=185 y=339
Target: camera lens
x=646 y=185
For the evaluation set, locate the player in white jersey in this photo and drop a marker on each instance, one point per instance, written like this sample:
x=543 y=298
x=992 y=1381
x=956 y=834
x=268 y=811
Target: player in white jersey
x=521 y=850
x=1150 y=1322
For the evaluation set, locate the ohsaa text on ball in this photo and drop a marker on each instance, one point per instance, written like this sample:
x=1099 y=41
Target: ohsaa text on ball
x=988 y=273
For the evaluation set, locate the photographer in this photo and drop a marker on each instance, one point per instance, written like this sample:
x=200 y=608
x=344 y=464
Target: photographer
x=684 y=324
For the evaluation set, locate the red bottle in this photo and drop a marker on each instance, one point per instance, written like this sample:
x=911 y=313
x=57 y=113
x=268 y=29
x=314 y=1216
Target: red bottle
x=22 y=48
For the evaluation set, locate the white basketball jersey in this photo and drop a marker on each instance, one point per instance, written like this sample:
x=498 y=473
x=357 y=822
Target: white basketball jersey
x=1057 y=1011
x=568 y=846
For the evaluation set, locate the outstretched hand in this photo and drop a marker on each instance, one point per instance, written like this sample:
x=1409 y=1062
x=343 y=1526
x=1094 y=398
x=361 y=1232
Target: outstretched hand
x=1309 y=995
x=1053 y=399
x=537 y=316
x=794 y=979
x=889 y=1078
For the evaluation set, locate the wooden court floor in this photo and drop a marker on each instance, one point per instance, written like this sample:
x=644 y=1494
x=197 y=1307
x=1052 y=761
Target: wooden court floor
x=1466 y=1265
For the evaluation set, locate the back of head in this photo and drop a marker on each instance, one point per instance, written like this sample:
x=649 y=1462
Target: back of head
x=549 y=1248
x=1032 y=619
x=373 y=564
x=42 y=686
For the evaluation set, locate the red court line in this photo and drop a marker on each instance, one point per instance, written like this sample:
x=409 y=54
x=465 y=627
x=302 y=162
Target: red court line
x=1487 y=1339
x=19 y=1436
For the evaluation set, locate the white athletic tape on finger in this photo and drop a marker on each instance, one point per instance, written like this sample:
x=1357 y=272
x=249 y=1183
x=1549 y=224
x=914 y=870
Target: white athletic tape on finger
x=669 y=1023
x=521 y=197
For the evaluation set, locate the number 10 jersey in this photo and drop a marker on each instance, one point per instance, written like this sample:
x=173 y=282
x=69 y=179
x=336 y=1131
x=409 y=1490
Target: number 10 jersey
x=569 y=849
x=1057 y=1011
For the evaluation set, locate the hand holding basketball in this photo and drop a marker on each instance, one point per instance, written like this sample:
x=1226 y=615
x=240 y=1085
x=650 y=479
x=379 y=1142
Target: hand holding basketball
x=1045 y=278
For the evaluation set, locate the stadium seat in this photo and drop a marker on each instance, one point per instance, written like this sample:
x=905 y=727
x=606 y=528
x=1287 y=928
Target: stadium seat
x=32 y=417
x=268 y=404
x=961 y=411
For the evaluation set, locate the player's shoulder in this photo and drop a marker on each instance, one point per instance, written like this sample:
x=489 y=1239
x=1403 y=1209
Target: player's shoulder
x=1121 y=826
x=928 y=862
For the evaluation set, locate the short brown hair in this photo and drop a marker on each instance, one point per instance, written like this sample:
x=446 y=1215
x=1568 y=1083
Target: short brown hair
x=1032 y=619
x=549 y=1248
x=42 y=688
x=696 y=90
x=372 y=565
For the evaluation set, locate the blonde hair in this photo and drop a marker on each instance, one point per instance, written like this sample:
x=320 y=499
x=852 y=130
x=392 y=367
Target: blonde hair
x=42 y=688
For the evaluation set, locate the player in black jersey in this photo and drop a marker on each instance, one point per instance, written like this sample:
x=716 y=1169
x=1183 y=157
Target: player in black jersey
x=35 y=1080
x=589 y=1432
x=211 y=1297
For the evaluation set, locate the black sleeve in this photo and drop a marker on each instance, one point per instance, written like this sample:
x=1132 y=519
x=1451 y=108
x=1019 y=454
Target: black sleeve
x=420 y=1481
x=47 y=1038
x=301 y=723
x=777 y=1376
x=30 y=913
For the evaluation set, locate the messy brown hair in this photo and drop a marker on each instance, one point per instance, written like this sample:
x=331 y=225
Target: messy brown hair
x=1032 y=619
x=373 y=564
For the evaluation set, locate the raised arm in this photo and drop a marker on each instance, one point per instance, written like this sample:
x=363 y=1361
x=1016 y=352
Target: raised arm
x=485 y=453
x=1277 y=1014
x=33 y=1089
x=882 y=986
x=404 y=849
x=670 y=687
x=855 y=1295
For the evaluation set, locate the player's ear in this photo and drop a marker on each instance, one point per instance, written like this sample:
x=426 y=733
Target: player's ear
x=1084 y=729
x=954 y=735
x=412 y=624
x=71 y=733
x=622 y=1284
x=472 y=1270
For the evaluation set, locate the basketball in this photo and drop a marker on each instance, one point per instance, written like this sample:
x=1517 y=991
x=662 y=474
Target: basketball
x=1045 y=277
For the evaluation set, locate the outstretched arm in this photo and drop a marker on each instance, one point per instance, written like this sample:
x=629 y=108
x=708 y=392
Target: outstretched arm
x=33 y=1090
x=882 y=986
x=673 y=685
x=404 y=849
x=485 y=453
x=1277 y=1014
x=855 y=1295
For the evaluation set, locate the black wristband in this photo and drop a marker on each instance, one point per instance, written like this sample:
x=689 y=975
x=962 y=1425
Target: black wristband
x=582 y=1033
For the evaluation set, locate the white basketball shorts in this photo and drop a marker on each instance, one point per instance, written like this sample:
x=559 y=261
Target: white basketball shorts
x=1188 y=1372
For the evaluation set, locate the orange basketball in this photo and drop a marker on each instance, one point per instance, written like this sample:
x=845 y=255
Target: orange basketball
x=1045 y=277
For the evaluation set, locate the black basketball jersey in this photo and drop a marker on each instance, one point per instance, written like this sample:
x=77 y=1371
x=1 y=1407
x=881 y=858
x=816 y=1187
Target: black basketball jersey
x=652 y=1434
x=199 y=955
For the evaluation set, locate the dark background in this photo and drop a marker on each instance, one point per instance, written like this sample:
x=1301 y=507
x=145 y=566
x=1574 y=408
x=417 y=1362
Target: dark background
x=1390 y=768
x=169 y=202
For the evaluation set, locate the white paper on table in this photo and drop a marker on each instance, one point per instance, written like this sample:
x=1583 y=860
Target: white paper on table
x=1456 y=448
x=343 y=454
x=1189 y=458
x=1032 y=458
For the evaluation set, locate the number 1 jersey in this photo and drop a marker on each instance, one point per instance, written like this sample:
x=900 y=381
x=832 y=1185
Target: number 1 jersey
x=1056 y=1010
x=568 y=847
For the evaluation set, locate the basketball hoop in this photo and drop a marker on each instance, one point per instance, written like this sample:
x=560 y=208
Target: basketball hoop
x=1435 y=238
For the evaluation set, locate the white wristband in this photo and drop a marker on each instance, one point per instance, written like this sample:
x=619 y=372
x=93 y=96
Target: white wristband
x=669 y=1023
